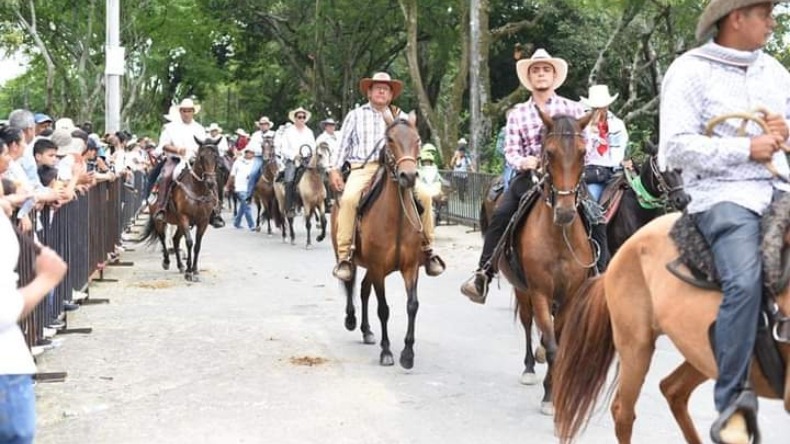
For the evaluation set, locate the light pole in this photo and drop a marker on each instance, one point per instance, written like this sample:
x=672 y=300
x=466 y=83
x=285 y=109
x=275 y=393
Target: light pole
x=113 y=68
x=474 y=84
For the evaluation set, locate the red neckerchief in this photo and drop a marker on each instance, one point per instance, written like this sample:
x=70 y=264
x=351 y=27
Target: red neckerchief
x=603 y=133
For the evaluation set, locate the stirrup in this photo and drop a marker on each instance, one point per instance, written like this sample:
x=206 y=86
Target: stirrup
x=344 y=270
x=476 y=287
x=434 y=265
x=742 y=410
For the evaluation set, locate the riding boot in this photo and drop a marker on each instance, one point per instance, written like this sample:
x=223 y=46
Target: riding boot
x=162 y=198
x=600 y=238
x=344 y=270
x=434 y=265
x=738 y=422
x=476 y=288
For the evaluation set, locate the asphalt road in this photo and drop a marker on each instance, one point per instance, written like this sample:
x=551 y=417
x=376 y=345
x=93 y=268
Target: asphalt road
x=257 y=353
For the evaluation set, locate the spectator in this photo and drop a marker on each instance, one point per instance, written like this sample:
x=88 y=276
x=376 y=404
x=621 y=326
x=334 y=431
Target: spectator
x=43 y=124
x=239 y=177
x=461 y=165
x=45 y=152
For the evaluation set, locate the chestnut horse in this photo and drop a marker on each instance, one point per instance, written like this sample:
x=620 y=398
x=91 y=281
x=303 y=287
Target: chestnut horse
x=312 y=191
x=553 y=245
x=623 y=312
x=192 y=199
x=389 y=238
x=265 y=199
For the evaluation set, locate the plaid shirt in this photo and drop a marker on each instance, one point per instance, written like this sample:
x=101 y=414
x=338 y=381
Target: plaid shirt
x=363 y=136
x=522 y=133
x=707 y=82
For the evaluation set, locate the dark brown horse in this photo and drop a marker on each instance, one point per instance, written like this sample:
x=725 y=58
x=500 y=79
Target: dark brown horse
x=312 y=192
x=554 y=248
x=389 y=239
x=265 y=199
x=192 y=200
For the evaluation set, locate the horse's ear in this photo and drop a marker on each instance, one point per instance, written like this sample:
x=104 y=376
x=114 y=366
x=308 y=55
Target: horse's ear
x=584 y=120
x=388 y=117
x=649 y=148
x=199 y=141
x=547 y=122
x=413 y=118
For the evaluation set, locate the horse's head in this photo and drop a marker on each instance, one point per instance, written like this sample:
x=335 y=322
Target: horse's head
x=322 y=155
x=563 y=163
x=206 y=160
x=402 y=149
x=666 y=184
x=267 y=148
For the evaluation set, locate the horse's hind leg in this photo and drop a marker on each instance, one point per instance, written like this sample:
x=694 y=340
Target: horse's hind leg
x=308 y=224
x=351 y=318
x=291 y=230
x=201 y=229
x=528 y=376
x=412 y=305
x=165 y=253
x=677 y=388
x=384 y=315
x=364 y=292
x=322 y=213
x=177 y=248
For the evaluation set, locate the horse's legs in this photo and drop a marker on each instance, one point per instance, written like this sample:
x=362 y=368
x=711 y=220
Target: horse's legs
x=291 y=229
x=542 y=311
x=201 y=229
x=364 y=293
x=162 y=239
x=525 y=314
x=177 y=248
x=308 y=215
x=677 y=388
x=412 y=305
x=384 y=315
x=190 y=245
x=351 y=318
x=322 y=209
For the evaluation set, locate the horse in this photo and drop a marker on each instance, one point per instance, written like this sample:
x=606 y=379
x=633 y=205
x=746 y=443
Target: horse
x=389 y=239
x=265 y=199
x=488 y=205
x=552 y=242
x=623 y=312
x=223 y=174
x=312 y=191
x=192 y=200
x=664 y=193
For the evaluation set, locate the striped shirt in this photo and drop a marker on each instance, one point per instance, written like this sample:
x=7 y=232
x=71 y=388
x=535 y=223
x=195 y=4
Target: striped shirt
x=522 y=133
x=363 y=136
x=707 y=82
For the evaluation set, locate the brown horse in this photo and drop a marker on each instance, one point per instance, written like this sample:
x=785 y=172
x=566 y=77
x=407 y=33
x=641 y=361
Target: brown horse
x=312 y=191
x=389 y=238
x=553 y=244
x=192 y=199
x=488 y=205
x=265 y=199
x=623 y=312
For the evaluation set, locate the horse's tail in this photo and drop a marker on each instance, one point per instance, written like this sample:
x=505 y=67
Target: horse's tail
x=150 y=236
x=483 y=218
x=585 y=353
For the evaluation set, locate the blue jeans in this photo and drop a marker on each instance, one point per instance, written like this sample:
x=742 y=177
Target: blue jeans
x=17 y=409
x=733 y=233
x=596 y=189
x=244 y=210
x=255 y=174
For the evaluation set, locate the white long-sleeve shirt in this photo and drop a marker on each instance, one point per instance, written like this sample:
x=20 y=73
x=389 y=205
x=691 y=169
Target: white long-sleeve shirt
x=293 y=139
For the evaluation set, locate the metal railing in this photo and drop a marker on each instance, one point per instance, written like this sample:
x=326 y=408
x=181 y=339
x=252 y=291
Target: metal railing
x=465 y=194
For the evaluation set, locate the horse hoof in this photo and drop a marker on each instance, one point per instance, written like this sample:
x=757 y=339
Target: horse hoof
x=406 y=360
x=319 y=238
x=540 y=355
x=166 y=265
x=386 y=359
x=351 y=322
x=293 y=242
x=195 y=278
x=181 y=269
x=529 y=378
x=547 y=408
x=188 y=277
x=308 y=247
x=368 y=338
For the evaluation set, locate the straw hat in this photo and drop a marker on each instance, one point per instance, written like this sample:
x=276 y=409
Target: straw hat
x=66 y=143
x=214 y=127
x=293 y=113
x=717 y=10
x=541 y=56
x=65 y=124
x=462 y=141
x=381 y=77
x=189 y=103
x=263 y=120
x=599 y=97
x=241 y=132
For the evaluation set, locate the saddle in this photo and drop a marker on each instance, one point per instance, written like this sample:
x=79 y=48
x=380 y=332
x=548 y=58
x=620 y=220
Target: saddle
x=613 y=195
x=696 y=256
x=496 y=190
x=507 y=254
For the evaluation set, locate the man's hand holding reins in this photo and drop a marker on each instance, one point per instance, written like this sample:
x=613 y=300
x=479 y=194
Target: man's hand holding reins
x=778 y=125
x=762 y=148
x=336 y=180
x=528 y=163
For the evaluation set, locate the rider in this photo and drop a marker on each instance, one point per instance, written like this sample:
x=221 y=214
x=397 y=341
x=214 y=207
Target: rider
x=215 y=132
x=178 y=139
x=542 y=74
x=293 y=139
x=363 y=137
x=608 y=141
x=729 y=188
x=330 y=136
x=256 y=143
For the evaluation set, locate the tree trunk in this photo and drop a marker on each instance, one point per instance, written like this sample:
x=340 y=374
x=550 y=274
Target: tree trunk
x=31 y=27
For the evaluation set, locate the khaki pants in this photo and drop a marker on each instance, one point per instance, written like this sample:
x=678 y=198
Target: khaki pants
x=347 y=211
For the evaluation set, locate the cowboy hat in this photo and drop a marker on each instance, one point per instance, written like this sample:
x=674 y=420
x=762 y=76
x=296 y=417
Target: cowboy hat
x=189 y=103
x=241 y=132
x=541 y=56
x=263 y=120
x=293 y=113
x=66 y=124
x=599 y=97
x=328 y=121
x=66 y=143
x=717 y=10
x=462 y=141
x=381 y=77
x=213 y=127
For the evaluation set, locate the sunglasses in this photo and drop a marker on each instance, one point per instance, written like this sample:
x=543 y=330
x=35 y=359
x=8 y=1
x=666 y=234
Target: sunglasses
x=301 y=117
x=187 y=110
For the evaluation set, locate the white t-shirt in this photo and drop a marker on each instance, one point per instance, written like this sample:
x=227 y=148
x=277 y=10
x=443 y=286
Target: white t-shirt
x=293 y=139
x=16 y=359
x=181 y=135
x=241 y=173
x=256 y=141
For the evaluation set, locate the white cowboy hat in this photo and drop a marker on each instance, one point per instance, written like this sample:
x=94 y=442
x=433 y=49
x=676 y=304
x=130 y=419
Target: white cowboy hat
x=717 y=10
x=328 y=121
x=599 y=97
x=66 y=144
x=263 y=120
x=241 y=132
x=66 y=124
x=381 y=77
x=462 y=141
x=213 y=127
x=293 y=113
x=189 y=103
x=541 y=56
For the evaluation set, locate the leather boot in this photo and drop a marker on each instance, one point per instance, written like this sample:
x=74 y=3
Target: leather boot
x=434 y=265
x=344 y=270
x=162 y=199
x=476 y=288
x=600 y=237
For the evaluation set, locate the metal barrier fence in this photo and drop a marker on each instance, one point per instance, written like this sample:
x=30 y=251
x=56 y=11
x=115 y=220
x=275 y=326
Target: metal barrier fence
x=465 y=195
x=85 y=233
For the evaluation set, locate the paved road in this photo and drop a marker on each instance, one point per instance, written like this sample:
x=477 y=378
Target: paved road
x=223 y=361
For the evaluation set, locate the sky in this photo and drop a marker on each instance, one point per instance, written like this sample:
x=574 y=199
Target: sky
x=11 y=66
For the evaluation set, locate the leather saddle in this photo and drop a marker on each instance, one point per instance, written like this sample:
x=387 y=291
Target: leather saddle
x=613 y=195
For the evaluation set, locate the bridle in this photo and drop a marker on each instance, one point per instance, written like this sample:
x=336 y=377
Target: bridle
x=551 y=197
x=661 y=183
x=393 y=164
x=201 y=159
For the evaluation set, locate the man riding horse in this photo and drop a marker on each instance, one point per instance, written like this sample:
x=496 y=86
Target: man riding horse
x=608 y=141
x=178 y=140
x=362 y=141
x=729 y=186
x=542 y=75
x=294 y=138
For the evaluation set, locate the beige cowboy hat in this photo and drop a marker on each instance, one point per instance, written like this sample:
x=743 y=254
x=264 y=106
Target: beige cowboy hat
x=214 y=127
x=717 y=10
x=599 y=97
x=241 y=132
x=381 y=77
x=189 y=103
x=541 y=56
x=263 y=120
x=65 y=124
x=462 y=141
x=293 y=113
